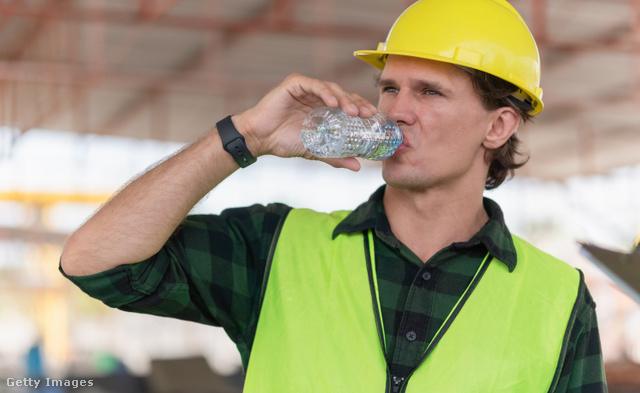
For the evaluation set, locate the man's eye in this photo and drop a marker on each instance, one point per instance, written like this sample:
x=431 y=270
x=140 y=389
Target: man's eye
x=430 y=92
x=389 y=89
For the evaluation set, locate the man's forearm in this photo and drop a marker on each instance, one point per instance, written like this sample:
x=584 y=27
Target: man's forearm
x=138 y=220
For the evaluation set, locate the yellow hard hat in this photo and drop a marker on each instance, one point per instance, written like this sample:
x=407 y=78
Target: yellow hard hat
x=487 y=35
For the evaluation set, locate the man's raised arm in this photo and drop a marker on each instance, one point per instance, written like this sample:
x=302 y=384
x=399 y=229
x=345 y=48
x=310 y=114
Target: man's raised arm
x=137 y=221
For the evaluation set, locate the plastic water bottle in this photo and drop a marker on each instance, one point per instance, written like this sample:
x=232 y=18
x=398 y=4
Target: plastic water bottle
x=329 y=132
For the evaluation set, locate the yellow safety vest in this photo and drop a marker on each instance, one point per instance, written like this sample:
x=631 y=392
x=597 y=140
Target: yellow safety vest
x=319 y=328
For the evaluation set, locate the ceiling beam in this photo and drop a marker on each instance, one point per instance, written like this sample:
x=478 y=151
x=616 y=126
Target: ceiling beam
x=75 y=97
x=635 y=9
x=265 y=24
x=539 y=20
x=78 y=76
x=256 y=25
x=10 y=8
x=22 y=43
x=150 y=10
x=280 y=13
x=151 y=92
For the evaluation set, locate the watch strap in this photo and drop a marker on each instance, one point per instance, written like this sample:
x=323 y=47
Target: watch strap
x=234 y=143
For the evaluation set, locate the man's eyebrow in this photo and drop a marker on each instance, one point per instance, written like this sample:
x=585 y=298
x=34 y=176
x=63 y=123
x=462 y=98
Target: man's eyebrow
x=384 y=82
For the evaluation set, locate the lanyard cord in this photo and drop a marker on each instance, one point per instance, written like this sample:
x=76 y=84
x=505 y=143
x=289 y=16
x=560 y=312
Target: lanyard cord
x=464 y=296
x=374 y=273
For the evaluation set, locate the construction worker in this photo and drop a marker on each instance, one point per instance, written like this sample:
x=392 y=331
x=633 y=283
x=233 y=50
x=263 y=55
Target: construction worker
x=421 y=288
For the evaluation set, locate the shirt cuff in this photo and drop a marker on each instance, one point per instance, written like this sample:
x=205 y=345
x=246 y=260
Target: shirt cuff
x=123 y=284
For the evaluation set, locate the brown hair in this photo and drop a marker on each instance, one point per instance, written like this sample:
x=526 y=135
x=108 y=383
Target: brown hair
x=496 y=93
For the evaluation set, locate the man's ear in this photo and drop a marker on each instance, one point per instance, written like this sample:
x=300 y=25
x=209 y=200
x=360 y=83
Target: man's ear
x=505 y=124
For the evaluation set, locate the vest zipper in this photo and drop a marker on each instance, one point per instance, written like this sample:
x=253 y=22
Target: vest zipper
x=391 y=385
x=397 y=383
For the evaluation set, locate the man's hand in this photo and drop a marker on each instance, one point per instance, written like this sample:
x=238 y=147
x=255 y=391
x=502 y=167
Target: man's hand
x=273 y=126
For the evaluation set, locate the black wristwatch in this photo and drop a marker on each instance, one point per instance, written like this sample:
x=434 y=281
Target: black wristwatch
x=234 y=143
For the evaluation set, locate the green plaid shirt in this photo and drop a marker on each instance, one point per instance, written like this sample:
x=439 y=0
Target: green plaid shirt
x=211 y=271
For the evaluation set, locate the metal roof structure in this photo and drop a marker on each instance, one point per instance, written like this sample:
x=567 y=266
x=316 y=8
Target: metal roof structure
x=169 y=69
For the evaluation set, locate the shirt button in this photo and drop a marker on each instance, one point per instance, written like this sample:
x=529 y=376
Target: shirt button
x=426 y=276
x=411 y=336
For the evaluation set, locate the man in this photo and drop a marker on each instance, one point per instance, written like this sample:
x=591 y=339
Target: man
x=422 y=288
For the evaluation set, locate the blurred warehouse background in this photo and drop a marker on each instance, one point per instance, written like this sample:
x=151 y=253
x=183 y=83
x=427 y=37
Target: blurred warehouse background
x=94 y=91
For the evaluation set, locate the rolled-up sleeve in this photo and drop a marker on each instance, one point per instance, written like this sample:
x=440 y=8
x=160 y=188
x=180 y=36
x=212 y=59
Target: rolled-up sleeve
x=210 y=271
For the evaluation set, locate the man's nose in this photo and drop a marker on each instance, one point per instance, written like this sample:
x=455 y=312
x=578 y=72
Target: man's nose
x=402 y=109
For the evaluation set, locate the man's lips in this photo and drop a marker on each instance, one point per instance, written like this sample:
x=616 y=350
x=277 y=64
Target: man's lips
x=402 y=148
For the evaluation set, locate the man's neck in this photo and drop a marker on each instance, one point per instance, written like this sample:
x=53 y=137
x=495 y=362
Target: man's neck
x=427 y=221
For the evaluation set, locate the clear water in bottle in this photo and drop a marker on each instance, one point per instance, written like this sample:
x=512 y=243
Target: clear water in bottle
x=329 y=132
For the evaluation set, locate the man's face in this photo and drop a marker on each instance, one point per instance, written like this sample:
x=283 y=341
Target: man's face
x=443 y=122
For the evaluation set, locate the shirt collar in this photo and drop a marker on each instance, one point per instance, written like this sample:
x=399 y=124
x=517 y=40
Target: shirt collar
x=494 y=235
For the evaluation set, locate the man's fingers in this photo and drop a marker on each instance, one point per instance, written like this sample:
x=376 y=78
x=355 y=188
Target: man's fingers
x=331 y=94
x=348 y=163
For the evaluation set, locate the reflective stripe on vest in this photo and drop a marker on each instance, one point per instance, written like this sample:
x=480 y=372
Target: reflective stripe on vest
x=318 y=326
